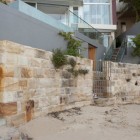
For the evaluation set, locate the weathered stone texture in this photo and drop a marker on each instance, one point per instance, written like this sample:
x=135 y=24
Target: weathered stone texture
x=30 y=86
x=8 y=109
x=125 y=81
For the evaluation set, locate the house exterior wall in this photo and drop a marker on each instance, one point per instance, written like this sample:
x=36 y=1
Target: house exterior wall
x=108 y=28
x=100 y=26
x=20 y=28
x=125 y=16
x=29 y=31
x=129 y=22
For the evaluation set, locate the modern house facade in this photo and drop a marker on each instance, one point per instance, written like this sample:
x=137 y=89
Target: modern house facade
x=92 y=21
x=83 y=15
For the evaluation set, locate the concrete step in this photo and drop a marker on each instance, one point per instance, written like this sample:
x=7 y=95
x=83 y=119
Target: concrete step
x=104 y=102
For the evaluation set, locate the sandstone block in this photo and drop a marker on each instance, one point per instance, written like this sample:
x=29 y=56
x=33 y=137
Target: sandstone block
x=9 y=96
x=66 y=75
x=29 y=52
x=33 y=83
x=43 y=102
x=69 y=83
x=26 y=72
x=39 y=73
x=2 y=58
x=11 y=47
x=34 y=62
x=39 y=92
x=45 y=63
x=53 y=91
x=7 y=109
x=10 y=84
x=18 y=119
x=8 y=71
x=11 y=59
x=42 y=54
x=51 y=73
x=54 y=100
x=22 y=61
x=23 y=84
x=48 y=83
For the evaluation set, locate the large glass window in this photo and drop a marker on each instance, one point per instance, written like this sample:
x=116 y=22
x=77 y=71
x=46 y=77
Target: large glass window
x=97 y=11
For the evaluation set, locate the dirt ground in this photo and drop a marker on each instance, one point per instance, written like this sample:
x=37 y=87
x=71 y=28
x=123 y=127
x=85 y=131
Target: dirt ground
x=86 y=123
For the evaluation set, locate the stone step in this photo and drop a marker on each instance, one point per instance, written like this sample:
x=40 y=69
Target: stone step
x=104 y=101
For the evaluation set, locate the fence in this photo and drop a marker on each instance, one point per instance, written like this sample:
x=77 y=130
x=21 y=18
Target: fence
x=101 y=78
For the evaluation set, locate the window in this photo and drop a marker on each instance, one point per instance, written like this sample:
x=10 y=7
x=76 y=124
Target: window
x=75 y=16
x=97 y=11
x=123 y=27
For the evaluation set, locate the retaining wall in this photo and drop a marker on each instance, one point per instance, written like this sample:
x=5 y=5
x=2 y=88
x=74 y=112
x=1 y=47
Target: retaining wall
x=125 y=81
x=30 y=86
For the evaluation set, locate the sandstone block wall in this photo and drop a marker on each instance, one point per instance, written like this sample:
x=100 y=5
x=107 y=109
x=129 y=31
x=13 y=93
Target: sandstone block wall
x=30 y=86
x=125 y=81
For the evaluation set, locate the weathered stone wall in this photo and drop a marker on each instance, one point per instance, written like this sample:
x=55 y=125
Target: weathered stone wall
x=30 y=86
x=125 y=81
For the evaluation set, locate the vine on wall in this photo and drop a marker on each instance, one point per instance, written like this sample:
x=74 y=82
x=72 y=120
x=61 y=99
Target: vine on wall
x=73 y=45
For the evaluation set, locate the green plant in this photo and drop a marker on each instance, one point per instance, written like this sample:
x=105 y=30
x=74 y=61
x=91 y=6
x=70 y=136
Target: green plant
x=3 y=1
x=58 y=58
x=136 y=51
x=73 y=45
x=135 y=5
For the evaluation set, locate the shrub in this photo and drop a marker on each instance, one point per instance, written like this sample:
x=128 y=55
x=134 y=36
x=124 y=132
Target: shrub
x=58 y=58
x=3 y=1
x=136 y=51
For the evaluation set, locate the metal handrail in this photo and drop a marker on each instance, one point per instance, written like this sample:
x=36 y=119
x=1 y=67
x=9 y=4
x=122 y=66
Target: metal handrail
x=85 y=21
x=121 y=52
x=97 y=34
x=110 y=51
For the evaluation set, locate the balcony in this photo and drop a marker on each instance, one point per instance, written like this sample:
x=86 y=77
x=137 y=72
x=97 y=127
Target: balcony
x=33 y=12
x=58 y=2
x=66 y=21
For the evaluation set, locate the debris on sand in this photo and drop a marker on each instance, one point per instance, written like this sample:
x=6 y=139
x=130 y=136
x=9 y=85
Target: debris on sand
x=70 y=112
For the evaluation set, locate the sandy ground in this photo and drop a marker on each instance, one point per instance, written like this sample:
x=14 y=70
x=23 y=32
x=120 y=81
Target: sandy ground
x=87 y=123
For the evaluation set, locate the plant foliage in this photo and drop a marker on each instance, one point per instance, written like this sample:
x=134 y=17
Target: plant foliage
x=73 y=45
x=135 y=4
x=58 y=58
x=3 y=1
x=136 y=51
